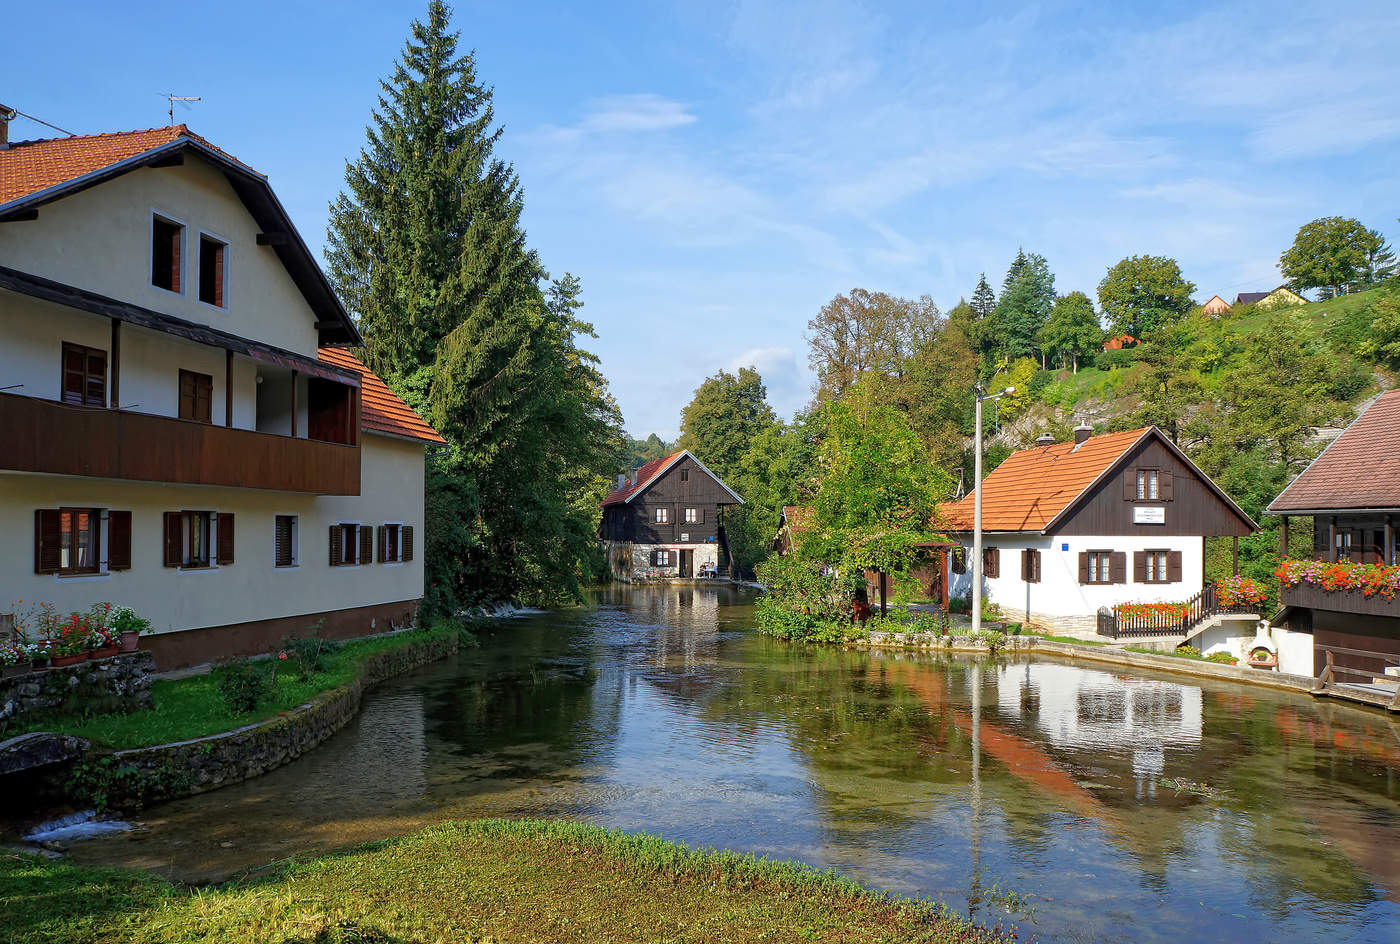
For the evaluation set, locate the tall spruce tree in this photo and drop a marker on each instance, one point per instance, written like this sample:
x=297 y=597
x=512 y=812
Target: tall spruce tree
x=1027 y=296
x=426 y=248
x=984 y=300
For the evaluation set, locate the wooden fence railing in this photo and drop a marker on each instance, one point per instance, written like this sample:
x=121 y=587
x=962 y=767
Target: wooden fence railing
x=1116 y=624
x=1332 y=669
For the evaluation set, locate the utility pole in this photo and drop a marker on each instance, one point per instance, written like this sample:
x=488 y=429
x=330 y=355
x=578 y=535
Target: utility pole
x=978 y=393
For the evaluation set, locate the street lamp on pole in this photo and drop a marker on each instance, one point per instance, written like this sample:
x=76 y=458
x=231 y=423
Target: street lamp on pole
x=981 y=395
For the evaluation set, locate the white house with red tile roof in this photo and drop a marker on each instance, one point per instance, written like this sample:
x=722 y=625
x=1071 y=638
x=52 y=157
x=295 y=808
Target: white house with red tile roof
x=182 y=427
x=666 y=521
x=1073 y=527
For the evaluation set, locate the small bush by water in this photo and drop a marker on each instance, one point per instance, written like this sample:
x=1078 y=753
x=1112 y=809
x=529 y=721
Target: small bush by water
x=499 y=880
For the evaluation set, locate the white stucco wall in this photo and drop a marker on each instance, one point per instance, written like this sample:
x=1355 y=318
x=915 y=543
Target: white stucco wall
x=249 y=589
x=1059 y=600
x=100 y=239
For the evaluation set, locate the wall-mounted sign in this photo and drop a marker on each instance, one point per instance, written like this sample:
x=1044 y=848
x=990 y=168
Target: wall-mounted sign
x=685 y=538
x=1064 y=547
x=1149 y=514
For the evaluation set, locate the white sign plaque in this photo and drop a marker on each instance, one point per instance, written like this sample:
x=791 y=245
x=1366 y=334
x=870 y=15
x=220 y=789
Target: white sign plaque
x=1149 y=514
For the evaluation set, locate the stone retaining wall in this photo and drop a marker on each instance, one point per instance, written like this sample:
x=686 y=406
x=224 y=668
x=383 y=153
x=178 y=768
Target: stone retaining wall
x=145 y=775
x=120 y=683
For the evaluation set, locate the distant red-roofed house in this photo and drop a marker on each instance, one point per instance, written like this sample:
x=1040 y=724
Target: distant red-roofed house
x=1119 y=342
x=182 y=428
x=665 y=521
x=1072 y=527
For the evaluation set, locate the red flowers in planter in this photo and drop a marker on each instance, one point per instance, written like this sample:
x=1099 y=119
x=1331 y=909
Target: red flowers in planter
x=1371 y=579
x=1234 y=591
x=1153 y=612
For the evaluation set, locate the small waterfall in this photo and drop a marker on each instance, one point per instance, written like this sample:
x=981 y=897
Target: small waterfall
x=75 y=826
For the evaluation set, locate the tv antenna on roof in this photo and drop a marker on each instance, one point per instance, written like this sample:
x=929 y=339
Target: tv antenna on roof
x=182 y=99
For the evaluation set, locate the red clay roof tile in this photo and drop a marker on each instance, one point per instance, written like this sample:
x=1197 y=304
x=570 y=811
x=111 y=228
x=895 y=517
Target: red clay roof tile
x=381 y=410
x=642 y=479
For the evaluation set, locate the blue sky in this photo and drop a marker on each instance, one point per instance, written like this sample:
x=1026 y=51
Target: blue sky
x=715 y=172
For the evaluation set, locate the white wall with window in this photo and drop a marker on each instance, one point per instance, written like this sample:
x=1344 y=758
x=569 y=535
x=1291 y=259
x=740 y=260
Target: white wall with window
x=1070 y=589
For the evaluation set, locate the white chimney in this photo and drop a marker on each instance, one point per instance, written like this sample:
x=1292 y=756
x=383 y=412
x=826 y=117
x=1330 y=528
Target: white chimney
x=7 y=115
x=621 y=480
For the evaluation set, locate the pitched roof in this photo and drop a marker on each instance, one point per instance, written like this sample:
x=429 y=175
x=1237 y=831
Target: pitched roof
x=1359 y=469
x=1031 y=487
x=652 y=471
x=1249 y=298
x=35 y=173
x=381 y=410
x=28 y=167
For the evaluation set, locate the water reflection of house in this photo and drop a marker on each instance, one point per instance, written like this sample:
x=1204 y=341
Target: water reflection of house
x=1081 y=709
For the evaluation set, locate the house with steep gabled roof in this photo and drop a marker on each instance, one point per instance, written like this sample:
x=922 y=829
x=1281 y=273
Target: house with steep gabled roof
x=1216 y=307
x=1280 y=297
x=1351 y=495
x=665 y=521
x=183 y=426
x=1073 y=529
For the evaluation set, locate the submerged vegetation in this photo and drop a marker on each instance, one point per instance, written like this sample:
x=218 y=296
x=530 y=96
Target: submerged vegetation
x=489 y=880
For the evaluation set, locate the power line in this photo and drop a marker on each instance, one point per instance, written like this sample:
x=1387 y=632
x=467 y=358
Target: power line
x=45 y=123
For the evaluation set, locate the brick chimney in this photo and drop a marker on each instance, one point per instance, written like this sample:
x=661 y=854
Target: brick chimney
x=1082 y=432
x=7 y=115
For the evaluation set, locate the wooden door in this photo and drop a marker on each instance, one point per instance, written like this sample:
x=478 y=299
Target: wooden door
x=686 y=559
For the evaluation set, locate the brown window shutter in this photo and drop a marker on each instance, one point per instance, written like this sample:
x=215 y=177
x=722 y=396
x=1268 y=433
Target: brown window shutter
x=1174 y=566
x=993 y=562
x=381 y=539
x=1130 y=485
x=366 y=544
x=1139 y=566
x=174 y=538
x=175 y=257
x=1030 y=566
x=1118 y=567
x=336 y=546
x=1164 y=485
x=219 y=276
x=48 y=537
x=282 y=541
x=1025 y=565
x=1083 y=566
x=406 y=543
x=225 y=538
x=118 y=540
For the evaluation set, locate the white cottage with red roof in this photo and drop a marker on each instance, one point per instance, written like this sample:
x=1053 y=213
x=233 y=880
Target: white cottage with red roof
x=1074 y=529
x=183 y=428
x=666 y=521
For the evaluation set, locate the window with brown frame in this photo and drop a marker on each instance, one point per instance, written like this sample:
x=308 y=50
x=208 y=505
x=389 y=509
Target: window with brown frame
x=84 y=375
x=68 y=541
x=1102 y=567
x=1147 y=485
x=351 y=544
x=1157 y=566
x=166 y=239
x=991 y=562
x=661 y=558
x=198 y=539
x=284 y=541
x=685 y=475
x=1030 y=565
x=390 y=543
x=959 y=560
x=211 y=270
x=196 y=396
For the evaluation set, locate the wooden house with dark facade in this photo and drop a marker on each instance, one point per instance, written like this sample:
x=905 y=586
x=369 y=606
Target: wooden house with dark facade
x=666 y=521
x=1350 y=495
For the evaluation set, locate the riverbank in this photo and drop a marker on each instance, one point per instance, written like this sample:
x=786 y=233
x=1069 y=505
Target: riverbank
x=523 y=880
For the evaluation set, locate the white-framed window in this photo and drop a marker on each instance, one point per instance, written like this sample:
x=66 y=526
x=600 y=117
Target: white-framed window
x=351 y=543
x=286 y=541
x=167 y=253
x=1148 y=485
x=692 y=516
x=1100 y=567
x=212 y=269
x=662 y=558
x=663 y=515
x=390 y=542
x=1155 y=566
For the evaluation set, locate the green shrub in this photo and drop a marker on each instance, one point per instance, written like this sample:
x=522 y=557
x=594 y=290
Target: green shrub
x=243 y=685
x=306 y=654
x=1190 y=652
x=1013 y=629
x=958 y=605
x=1224 y=658
x=1123 y=357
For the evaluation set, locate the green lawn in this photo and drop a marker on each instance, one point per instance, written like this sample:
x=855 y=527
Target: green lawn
x=490 y=880
x=192 y=707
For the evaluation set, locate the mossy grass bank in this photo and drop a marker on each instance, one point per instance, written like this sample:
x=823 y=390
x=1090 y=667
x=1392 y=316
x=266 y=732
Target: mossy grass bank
x=489 y=880
x=192 y=707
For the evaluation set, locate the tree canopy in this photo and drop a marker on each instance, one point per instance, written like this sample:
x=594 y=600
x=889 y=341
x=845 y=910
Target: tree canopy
x=1072 y=331
x=862 y=334
x=1333 y=254
x=1027 y=296
x=1142 y=293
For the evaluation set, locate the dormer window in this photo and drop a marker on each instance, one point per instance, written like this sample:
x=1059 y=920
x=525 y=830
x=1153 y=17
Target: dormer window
x=211 y=270
x=167 y=237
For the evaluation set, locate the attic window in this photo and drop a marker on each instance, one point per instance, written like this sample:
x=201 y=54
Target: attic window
x=166 y=239
x=685 y=475
x=211 y=270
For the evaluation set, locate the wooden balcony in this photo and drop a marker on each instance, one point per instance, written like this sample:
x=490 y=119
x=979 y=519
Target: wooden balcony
x=62 y=439
x=1339 y=601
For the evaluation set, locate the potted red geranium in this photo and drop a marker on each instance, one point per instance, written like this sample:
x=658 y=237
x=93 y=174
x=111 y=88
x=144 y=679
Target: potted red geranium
x=102 y=638
x=72 y=641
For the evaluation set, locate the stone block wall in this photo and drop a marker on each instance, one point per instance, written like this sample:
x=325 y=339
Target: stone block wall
x=120 y=683
x=628 y=561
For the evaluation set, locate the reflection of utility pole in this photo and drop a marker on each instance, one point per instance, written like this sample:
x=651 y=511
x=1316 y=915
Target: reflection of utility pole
x=974 y=895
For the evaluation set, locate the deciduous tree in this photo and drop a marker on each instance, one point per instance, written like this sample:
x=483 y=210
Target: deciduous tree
x=1142 y=293
x=863 y=334
x=1073 y=330
x=1330 y=253
x=727 y=413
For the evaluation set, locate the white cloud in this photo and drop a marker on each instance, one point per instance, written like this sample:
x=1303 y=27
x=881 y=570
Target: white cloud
x=645 y=112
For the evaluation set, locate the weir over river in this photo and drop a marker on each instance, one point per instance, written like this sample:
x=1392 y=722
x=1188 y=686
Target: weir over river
x=1076 y=802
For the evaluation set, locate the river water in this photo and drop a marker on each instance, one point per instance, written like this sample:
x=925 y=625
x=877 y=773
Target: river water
x=1076 y=802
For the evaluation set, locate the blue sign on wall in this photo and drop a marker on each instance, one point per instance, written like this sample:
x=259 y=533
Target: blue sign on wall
x=1064 y=547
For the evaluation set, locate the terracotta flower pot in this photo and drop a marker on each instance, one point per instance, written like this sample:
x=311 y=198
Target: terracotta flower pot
x=106 y=653
x=60 y=661
x=129 y=641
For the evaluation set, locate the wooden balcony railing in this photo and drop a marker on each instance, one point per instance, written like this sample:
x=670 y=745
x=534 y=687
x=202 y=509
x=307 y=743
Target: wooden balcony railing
x=1313 y=597
x=62 y=439
x=1199 y=608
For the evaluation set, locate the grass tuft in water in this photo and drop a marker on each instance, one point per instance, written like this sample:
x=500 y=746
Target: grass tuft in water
x=489 y=880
